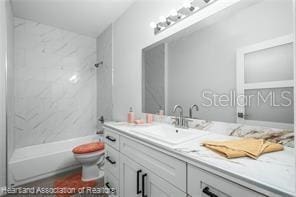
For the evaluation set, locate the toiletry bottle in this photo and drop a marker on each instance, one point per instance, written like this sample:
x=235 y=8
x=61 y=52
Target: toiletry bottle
x=149 y=118
x=131 y=116
x=160 y=114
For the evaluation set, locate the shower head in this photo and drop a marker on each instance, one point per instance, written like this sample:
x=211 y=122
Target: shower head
x=98 y=64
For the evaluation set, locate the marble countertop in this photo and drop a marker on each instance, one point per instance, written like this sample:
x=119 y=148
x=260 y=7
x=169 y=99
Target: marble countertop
x=273 y=172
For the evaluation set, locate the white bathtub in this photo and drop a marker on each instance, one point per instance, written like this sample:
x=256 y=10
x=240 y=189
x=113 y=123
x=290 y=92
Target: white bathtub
x=40 y=161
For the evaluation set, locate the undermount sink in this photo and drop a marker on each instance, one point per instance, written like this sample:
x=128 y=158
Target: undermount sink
x=168 y=134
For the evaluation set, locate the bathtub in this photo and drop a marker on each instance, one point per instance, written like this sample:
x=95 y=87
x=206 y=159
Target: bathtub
x=40 y=161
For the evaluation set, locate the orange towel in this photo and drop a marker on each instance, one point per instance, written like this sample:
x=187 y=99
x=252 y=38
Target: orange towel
x=243 y=147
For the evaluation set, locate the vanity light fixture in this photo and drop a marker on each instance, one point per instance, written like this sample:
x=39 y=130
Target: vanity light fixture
x=155 y=26
x=188 y=8
x=174 y=16
x=163 y=22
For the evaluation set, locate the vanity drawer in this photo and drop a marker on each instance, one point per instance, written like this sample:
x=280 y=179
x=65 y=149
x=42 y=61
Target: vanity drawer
x=112 y=160
x=111 y=182
x=202 y=183
x=111 y=138
x=166 y=167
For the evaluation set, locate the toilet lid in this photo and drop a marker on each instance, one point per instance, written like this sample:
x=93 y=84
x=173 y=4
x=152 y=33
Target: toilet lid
x=88 y=148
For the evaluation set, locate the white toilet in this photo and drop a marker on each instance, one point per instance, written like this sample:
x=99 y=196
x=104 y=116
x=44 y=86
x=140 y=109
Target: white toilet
x=89 y=155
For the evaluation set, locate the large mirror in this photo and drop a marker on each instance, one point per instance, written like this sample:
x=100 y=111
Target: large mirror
x=236 y=66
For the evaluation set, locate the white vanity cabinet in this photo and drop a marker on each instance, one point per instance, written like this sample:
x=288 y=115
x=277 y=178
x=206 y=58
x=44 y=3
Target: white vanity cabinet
x=142 y=171
x=169 y=168
x=130 y=175
x=137 y=180
x=202 y=183
x=137 y=169
x=112 y=161
x=112 y=182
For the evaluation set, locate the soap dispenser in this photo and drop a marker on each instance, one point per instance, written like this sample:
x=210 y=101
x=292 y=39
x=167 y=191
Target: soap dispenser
x=130 y=116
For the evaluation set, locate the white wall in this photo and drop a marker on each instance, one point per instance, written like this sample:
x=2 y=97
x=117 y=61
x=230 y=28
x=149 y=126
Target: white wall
x=131 y=34
x=294 y=28
x=10 y=82
x=3 y=51
x=6 y=63
x=104 y=75
x=55 y=84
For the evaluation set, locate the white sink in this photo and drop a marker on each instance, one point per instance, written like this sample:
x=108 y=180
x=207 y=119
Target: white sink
x=167 y=133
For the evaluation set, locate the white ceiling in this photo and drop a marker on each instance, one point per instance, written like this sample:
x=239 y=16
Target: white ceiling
x=88 y=17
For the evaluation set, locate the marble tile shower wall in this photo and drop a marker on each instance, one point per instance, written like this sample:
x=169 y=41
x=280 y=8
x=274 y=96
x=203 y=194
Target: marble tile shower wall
x=55 y=84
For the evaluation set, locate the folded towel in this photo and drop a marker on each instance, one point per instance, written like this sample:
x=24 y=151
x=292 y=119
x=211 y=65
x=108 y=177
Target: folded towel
x=243 y=147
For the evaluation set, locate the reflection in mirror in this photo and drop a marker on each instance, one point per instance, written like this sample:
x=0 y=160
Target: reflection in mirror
x=237 y=66
x=153 y=75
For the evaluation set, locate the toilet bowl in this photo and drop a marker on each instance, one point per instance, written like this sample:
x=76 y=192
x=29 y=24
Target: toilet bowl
x=89 y=155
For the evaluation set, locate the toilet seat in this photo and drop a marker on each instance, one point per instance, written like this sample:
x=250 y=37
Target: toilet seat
x=88 y=148
x=89 y=155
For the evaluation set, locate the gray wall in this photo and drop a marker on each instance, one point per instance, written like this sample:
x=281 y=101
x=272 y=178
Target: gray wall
x=153 y=79
x=206 y=59
x=104 y=74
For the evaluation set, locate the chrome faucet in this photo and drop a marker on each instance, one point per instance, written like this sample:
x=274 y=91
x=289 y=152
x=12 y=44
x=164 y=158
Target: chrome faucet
x=191 y=108
x=180 y=121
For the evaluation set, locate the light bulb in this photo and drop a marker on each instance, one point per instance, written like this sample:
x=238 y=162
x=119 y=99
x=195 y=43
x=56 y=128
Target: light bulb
x=162 y=19
x=173 y=12
x=74 y=78
x=187 y=5
x=153 y=25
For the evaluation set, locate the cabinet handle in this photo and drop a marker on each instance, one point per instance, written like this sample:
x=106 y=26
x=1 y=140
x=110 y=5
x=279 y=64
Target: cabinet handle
x=108 y=185
x=112 y=139
x=207 y=191
x=138 y=182
x=143 y=185
x=110 y=161
x=113 y=190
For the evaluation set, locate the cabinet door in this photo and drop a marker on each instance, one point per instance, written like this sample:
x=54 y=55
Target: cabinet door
x=130 y=178
x=112 y=183
x=145 y=182
x=202 y=183
x=169 y=168
x=158 y=187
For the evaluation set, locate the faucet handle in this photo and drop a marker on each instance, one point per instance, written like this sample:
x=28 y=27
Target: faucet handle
x=191 y=108
x=176 y=121
x=195 y=106
x=185 y=123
